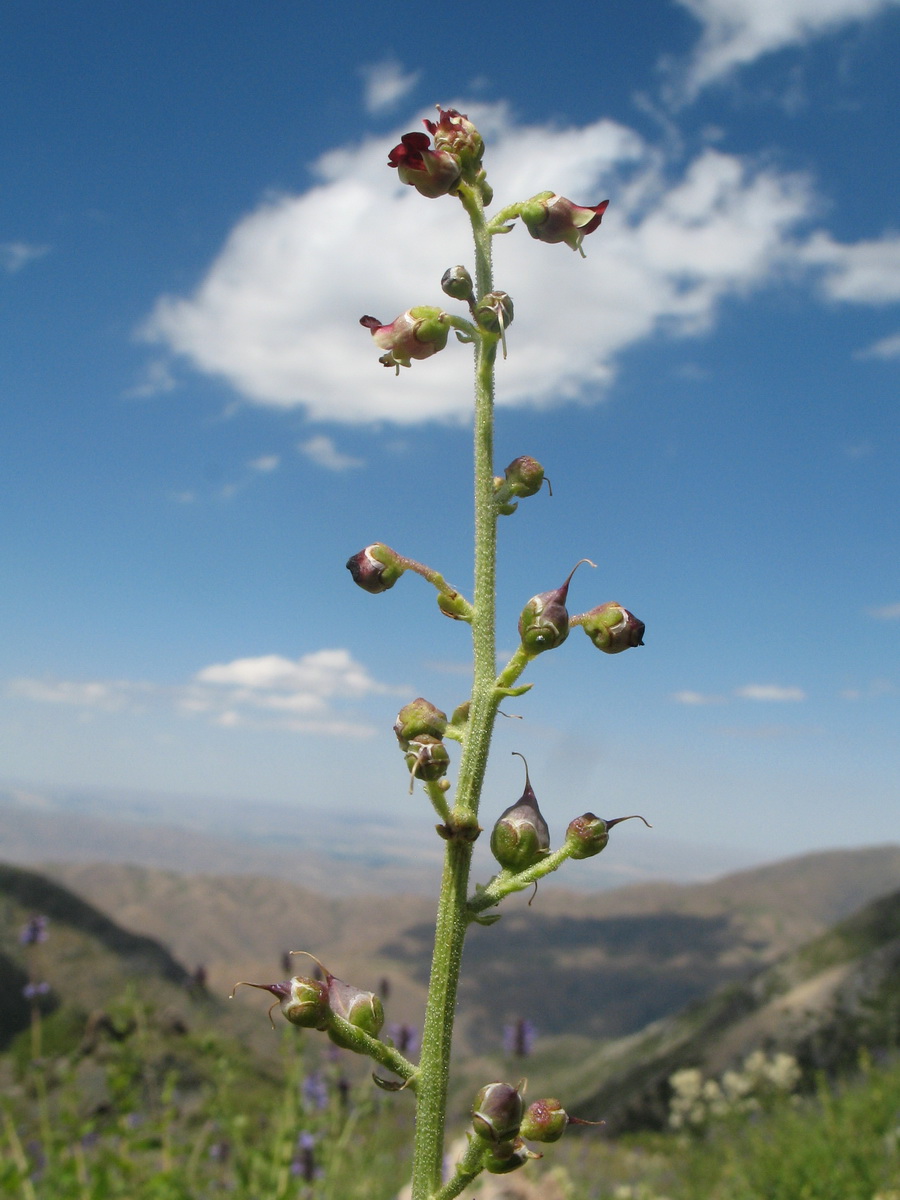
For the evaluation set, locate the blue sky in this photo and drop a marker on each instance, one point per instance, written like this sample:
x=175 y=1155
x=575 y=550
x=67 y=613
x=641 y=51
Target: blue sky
x=197 y=433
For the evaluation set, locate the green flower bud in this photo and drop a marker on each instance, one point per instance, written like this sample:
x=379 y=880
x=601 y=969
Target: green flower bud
x=418 y=717
x=544 y=623
x=521 y=837
x=523 y=477
x=507 y=1157
x=544 y=1121
x=376 y=568
x=455 y=606
x=304 y=1002
x=360 y=1008
x=427 y=758
x=457 y=282
x=613 y=628
x=588 y=835
x=494 y=311
x=497 y=1112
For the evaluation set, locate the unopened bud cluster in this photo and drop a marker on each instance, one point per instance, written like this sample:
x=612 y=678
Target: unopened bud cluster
x=502 y=1122
x=420 y=729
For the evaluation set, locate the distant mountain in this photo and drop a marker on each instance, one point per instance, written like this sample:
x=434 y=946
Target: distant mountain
x=823 y=1003
x=370 y=853
x=599 y=965
x=87 y=957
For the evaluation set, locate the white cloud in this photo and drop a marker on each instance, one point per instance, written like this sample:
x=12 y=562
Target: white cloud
x=696 y=698
x=265 y=463
x=301 y=695
x=886 y=612
x=885 y=348
x=859 y=273
x=386 y=84
x=770 y=692
x=736 y=32
x=16 y=255
x=322 y=451
x=276 y=314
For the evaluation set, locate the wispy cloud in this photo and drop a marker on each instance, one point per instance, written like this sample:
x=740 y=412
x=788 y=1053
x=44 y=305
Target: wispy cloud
x=156 y=379
x=324 y=453
x=16 y=255
x=303 y=695
x=697 y=698
x=770 y=692
x=885 y=612
x=885 y=348
x=271 y=316
x=386 y=84
x=737 y=32
x=266 y=463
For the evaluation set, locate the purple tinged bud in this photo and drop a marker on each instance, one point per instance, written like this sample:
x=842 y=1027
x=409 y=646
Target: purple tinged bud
x=455 y=133
x=544 y=1121
x=360 y=1008
x=418 y=717
x=544 y=623
x=552 y=218
x=494 y=311
x=524 y=476
x=497 y=1112
x=588 y=835
x=427 y=758
x=507 y=1157
x=304 y=1002
x=376 y=568
x=520 y=837
x=613 y=628
x=457 y=282
x=417 y=333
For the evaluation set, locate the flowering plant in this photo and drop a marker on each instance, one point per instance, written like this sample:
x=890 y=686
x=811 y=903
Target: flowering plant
x=502 y=1126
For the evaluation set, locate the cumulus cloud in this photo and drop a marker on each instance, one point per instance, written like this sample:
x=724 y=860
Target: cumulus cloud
x=386 y=83
x=865 y=272
x=696 y=699
x=266 y=463
x=737 y=32
x=324 y=453
x=772 y=692
x=276 y=314
x=303 y=695
x=16 y=255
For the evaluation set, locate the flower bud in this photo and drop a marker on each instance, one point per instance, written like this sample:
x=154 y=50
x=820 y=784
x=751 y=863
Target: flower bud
x=552 y=218
x=360 y=1008
x=523 y=477
x=417 y=333
x=588 y=835
x=427 y=758
x=454 y=132
x=506 y=1157
x=613 y=628
x=494 y=311
x=376 y=568
x=304 y=1002
x=418 y=717
x=457 y=282
x=544 y=1121
x=497 y=1112
x=455 y=606
x=544 y=623
x=521 y=837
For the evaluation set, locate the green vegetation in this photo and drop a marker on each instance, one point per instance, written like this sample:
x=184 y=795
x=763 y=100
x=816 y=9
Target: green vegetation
x=138 y=1106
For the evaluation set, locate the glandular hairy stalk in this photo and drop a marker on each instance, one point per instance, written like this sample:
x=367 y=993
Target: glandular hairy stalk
x=446 y=162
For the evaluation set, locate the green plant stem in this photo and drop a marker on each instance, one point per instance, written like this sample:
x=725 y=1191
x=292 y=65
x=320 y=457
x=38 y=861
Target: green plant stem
x=452 y=917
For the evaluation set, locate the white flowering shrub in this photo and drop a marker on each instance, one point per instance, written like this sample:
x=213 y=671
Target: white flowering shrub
x=697 y=1101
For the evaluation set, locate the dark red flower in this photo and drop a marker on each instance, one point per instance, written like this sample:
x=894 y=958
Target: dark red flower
x=430 y=171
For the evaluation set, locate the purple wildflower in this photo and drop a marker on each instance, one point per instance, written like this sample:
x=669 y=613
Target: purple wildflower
x=314 y=1090
x=518 y=1038
x=34 y=931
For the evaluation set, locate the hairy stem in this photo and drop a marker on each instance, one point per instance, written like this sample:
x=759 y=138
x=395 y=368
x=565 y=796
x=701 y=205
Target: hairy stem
x=452 y=921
